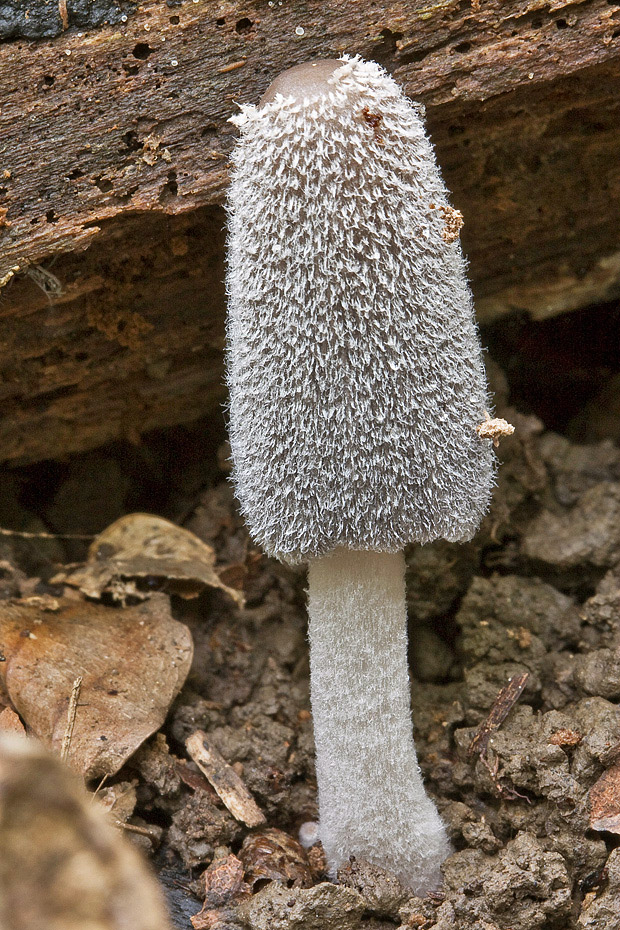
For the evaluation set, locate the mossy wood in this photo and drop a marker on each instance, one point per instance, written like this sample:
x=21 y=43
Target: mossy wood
x=114 y=147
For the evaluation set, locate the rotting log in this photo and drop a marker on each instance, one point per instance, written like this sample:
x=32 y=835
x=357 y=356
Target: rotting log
x=113 y=164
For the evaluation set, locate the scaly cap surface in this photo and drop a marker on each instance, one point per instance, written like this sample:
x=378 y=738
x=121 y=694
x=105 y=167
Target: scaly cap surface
x=354 y=365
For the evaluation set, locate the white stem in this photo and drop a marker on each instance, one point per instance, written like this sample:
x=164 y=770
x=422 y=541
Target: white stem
x=372 y=802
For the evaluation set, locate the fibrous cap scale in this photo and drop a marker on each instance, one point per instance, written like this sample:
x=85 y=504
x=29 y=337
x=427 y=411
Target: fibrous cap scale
x=354 y=365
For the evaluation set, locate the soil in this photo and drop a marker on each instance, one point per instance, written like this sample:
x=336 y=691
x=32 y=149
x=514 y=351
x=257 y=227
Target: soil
x=536 y=594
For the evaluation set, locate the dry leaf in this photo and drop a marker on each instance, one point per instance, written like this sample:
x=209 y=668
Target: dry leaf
x=133 y=662
x=141 y=545
x=273 y=855
x=224 y=885
x=10 y=722
x=605 y=801
x=63 y=865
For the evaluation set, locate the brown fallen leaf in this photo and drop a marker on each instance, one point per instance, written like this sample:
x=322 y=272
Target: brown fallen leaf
x=224 y=887
x=63 y=865
x=227 y=784
x=132 y=661
x=273 y=855
x=141 y=545
x=10 y=722
x=605 y=801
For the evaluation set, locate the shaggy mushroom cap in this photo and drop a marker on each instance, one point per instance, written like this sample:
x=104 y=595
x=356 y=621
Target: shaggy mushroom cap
x=355 y=369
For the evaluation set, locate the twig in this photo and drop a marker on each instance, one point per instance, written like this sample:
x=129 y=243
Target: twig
x=508 y=792
x=71 y=714
x=134 y=828
x=64 y=15
x=26 y=535
x=503 y=703
x=99 y=786
x=225 y=780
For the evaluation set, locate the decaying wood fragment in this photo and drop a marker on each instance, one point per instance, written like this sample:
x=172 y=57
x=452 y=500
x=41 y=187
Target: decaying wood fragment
x=229 y=787
x=605 y=801
x=494 y=428
x=502 y=705
x=114 y=142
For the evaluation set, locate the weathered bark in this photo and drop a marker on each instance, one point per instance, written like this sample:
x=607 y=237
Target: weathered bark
x=113 y=163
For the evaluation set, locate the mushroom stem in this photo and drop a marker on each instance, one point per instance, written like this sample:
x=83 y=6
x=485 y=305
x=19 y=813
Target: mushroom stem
x=372 y=802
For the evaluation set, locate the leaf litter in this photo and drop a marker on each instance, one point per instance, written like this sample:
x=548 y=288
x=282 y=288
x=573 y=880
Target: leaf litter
x=133 y=662
x=497 y=609
x=144 y=546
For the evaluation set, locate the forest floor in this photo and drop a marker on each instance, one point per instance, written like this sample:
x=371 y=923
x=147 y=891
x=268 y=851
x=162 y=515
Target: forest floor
x=516 y=680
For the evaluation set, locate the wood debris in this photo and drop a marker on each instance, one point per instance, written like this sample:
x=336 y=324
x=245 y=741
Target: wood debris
x=502 y=705
x=228 y=785
x=605 y=801
x=479 y=745
x=494 y=428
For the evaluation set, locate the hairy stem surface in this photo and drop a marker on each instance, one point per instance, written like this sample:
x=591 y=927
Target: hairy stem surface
x=372 y=802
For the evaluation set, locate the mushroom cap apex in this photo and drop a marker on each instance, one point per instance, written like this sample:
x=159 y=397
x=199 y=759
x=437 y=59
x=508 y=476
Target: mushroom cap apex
x=309 y=79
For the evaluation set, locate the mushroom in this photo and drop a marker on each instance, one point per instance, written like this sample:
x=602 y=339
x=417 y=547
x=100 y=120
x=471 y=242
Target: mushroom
x=356 y=386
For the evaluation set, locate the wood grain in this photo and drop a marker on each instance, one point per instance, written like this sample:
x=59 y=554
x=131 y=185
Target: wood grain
x=114 y=143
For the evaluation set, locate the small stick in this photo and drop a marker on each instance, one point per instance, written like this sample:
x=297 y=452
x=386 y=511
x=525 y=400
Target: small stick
x=64 y=15
x=227 y=784
x=503 y=703
x=232 y=67
x=99 y=787
x=24 y=535
x=71 y=714
x=134 y=828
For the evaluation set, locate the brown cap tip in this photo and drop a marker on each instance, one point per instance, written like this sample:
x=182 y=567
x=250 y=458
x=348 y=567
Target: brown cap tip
x=306 y=80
